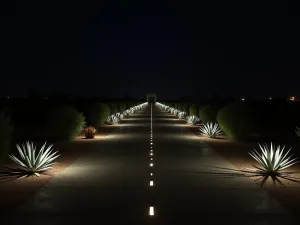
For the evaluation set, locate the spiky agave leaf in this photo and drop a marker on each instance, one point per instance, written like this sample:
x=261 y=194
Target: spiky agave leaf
x=34 y=162
x=210 y=129
x=272 y=158
x=193 y=119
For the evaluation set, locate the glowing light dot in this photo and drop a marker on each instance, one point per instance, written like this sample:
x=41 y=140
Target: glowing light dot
x=151 y=183
x=151 y=164
x=151 y=211
x=151 y=153
x=151 y=174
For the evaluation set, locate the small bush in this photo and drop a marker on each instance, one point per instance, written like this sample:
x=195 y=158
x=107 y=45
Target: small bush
x=236 y=120
x=6 y=131
x=209 y=113
x=113 y=108
x=89 y=132
x=121 y=106
x=193 y=110
x=99 y=114
x=65 y=123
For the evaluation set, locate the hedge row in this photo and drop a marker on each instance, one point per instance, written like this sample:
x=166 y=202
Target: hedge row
x=240 y=119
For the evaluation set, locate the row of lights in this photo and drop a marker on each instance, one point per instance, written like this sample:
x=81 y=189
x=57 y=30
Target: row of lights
x=151 y=183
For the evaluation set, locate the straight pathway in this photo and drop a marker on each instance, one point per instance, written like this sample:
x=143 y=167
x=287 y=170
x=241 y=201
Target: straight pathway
x=110 y=184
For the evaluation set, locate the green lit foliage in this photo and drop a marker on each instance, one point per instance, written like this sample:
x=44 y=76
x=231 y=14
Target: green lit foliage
x=209 y=112
x=121 y=106
x=193 y=110
x=65 y=123
x=113 y=108
x=6 y=131
x=236 y=120
x=99 y=114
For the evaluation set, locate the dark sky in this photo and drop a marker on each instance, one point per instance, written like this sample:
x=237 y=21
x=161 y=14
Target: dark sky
x=172 y=48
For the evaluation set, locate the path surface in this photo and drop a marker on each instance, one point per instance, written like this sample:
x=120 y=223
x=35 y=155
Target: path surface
x=110 y=184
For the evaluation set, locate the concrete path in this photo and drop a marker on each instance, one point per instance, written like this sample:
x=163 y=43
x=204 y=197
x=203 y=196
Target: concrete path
x=110 y=184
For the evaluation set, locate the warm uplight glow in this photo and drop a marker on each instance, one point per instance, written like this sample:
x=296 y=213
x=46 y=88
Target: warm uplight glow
x=151 y=211
x=292 y=98
x=151 y=183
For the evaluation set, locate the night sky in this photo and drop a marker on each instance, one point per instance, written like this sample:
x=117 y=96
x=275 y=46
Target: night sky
x=174 y=49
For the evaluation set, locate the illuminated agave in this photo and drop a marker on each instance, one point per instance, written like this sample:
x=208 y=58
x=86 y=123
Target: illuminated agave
x=298 y=131
x=32 y=161
x=182 y=115
x=210 y=130
x=272 y=159
x=193 y=119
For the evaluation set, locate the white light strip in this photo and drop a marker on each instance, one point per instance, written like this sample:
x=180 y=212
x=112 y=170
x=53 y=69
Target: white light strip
x=151 y=211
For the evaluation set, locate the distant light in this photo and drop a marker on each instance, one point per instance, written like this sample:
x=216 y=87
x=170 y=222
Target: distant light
x=292 y=98
x=270 y=98
x=151 y=159
x=151 y=211
x=7 y=97
x=151 y=174
x=151 y=164
x=46 y=98
x=151 y=183
x=151 y=153
x=243 y=99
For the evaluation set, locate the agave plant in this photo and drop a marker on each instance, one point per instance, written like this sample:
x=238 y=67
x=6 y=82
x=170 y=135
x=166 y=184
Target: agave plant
x=272 y=159
x=210 y=130
x=127 y=112
x=89 y=132
x=119 y=115
x=182 y=115
x=33 y=161
x=298 y=131
x=193 y=119
x=114 y=119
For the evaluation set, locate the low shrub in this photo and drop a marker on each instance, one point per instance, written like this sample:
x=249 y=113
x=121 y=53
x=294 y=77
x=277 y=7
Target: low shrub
x=121 y=106
x=99 y=114
x=65 y=123
x=89 y=132
x=236 y=120
x=208 y=113
x=113 y=108
x=193 y=110
x=6 y=131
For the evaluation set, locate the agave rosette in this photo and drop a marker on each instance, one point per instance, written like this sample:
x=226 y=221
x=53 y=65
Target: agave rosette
x=182 y=115
x=193 y=119
x=210 y=129
x=272 y=159
x=34 y=161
